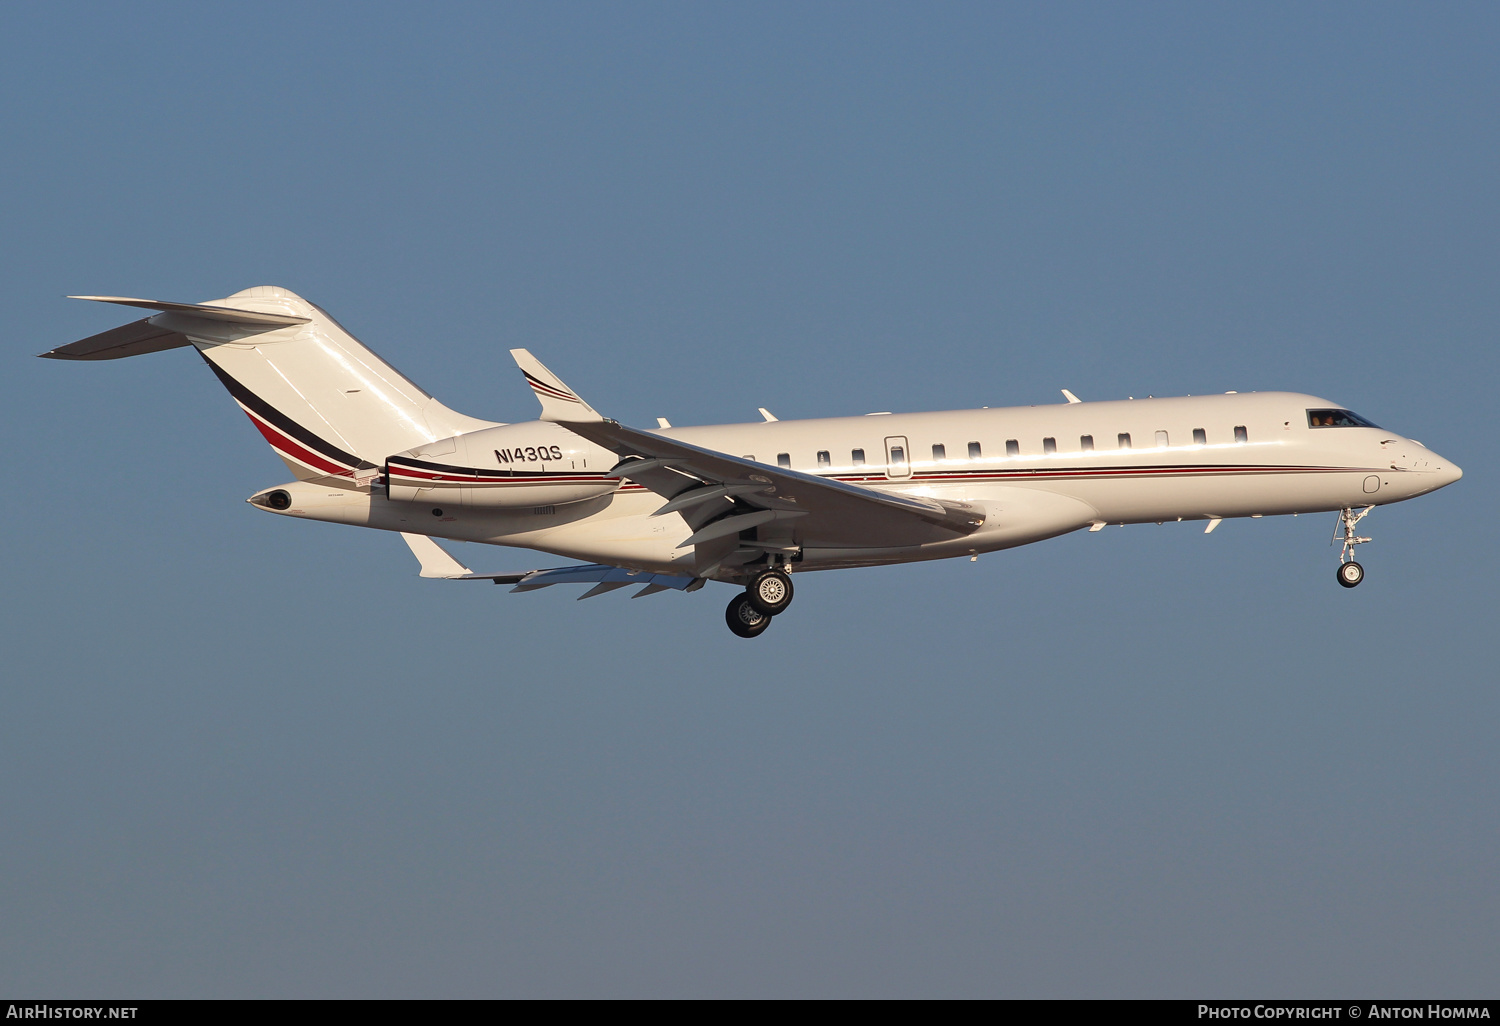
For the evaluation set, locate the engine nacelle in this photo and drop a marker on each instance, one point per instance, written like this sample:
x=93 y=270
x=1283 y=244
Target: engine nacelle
x=507 y=467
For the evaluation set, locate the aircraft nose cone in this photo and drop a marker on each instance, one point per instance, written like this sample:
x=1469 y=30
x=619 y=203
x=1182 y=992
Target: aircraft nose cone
x=1448 y=472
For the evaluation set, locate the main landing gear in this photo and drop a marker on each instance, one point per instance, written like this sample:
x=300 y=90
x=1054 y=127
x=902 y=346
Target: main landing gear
x=768 y=593
x=744 y=619
x=1350 y=573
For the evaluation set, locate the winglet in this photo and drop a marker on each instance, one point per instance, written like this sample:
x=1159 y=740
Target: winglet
x=1071 y=397
x=559 y=402
x=435 y=562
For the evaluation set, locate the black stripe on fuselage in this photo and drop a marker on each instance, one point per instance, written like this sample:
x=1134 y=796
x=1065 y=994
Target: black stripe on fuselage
x=446 y=468
x=265 y=411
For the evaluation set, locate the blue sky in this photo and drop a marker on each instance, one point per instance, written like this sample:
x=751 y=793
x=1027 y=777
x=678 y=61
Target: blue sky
x=243 y=756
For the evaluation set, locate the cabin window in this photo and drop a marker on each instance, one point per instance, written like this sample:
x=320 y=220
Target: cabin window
x=857 y=457
x=784 y=460
x=1241 y=436
x=939 y=452
x=1336 y=418
x=824 y=459
x=1124 y=439
x=1161 y=440
x=898 y=456
x=974 y=451
x=1086 y=443
x=1049 y=445
x=749 y=456
x=1200 y=437
x=1012 y=447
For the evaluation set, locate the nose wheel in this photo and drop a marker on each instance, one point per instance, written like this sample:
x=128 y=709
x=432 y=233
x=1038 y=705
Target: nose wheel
x=1350 y=573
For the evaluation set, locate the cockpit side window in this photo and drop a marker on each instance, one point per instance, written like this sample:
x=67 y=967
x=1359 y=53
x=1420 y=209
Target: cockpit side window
x=1336 y=418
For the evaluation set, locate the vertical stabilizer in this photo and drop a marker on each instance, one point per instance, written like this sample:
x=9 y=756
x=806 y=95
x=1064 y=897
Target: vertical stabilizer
x=328 y=405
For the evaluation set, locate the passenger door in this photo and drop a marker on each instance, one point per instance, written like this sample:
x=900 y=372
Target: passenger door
x=897 y=458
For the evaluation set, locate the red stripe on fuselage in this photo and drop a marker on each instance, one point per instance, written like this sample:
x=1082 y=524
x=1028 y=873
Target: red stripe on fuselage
x=397 y=470
x=284 y=444
x=956 y=476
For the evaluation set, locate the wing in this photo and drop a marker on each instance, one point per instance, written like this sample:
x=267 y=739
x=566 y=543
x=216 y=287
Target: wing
x=739 y=509
x=438 y=563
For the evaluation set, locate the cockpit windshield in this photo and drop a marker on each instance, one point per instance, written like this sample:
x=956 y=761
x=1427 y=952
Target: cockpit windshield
x=1336 y=418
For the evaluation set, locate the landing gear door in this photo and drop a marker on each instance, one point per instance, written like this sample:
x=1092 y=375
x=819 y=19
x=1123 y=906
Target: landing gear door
x=897 y=458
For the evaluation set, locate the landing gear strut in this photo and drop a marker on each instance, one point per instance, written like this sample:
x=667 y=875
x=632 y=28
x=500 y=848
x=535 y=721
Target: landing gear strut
x=1350 y=573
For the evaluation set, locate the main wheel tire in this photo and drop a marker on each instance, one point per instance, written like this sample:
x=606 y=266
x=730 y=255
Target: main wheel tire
x=1350 y=574
x=744 y=619
x=770 y=592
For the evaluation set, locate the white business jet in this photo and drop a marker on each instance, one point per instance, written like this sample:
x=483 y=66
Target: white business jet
x=749 y=504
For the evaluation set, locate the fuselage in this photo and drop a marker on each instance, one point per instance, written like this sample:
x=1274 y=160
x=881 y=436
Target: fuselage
x=747 y=503
x=1036 y=472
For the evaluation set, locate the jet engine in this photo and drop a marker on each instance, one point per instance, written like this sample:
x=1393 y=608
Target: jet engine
x=507 y=467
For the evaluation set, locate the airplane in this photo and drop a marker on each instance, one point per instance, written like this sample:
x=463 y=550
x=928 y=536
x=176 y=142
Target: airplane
x=751 y=504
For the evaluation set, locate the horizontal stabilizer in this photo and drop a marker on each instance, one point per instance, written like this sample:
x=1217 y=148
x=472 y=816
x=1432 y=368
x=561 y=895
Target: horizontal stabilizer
x=131 y=339
x=140 y=337
x=205 y=310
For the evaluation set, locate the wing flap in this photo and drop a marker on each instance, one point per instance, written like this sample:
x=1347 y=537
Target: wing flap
x=602 y=575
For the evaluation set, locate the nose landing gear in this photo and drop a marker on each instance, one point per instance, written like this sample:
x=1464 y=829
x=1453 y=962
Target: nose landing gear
x=1350 y=573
